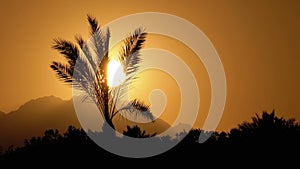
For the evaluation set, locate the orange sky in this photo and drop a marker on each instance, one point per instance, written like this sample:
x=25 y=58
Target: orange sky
x=257 y=41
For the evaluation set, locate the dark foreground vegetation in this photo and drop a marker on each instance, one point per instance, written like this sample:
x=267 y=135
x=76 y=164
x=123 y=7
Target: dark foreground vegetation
x=267 y=139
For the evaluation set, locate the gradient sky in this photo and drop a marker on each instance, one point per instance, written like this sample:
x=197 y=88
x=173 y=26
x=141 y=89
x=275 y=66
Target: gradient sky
x=257 y=41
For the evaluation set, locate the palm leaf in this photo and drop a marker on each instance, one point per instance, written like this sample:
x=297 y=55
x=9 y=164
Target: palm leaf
x=94 y=26
x=68 y=49
x=63 y=71
x=99 y=40
x=136 y=108
x=129 y=55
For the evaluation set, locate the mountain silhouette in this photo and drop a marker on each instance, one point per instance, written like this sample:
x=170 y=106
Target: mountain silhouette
x=34 y=117
x=179 y=128
x=1 y=114
x=50 y=112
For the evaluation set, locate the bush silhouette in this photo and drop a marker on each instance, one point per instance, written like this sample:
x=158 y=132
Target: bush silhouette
x=266 y=136
x=266 y=130
x=136 y=132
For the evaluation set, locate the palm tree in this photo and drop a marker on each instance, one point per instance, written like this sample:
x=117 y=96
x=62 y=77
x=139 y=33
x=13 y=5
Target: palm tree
x=86 y=69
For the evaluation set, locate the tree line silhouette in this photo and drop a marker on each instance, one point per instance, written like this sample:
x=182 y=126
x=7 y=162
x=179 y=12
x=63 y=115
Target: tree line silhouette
x=265 y=136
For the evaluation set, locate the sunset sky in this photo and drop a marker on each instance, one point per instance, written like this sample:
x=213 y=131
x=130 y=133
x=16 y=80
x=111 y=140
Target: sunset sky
x=257 y=41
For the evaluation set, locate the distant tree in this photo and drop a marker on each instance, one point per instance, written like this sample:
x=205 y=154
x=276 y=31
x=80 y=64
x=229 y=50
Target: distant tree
x=51 y=136
x=266 y=129
x=1 y=151
x=136 y=132
x=221 y=137
x=10 y=150
x=75 y=135
x=190 y=137
x=92 y=57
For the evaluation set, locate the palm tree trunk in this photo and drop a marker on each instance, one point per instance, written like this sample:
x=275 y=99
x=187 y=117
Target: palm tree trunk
x=107 y=114
x=108 y=127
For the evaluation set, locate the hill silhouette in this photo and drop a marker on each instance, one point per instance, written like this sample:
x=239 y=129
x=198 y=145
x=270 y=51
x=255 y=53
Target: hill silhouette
x=34 y=117
x=50 y=112
x=1 y=114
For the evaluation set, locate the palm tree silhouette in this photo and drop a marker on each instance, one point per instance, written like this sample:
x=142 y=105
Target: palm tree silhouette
x=86 y=69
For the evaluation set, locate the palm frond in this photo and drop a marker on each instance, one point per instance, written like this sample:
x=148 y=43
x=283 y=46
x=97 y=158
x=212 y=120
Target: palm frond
x=137 y=108
x=93 y=59
x=68 y=49
x=86 y=64
x=129 y=57
x=93 y=23
x=63 y=71
x=106 y=41
x=99 y=41
x=139 y=105
x=129 y=54
x=82 y=81
x=80 y=41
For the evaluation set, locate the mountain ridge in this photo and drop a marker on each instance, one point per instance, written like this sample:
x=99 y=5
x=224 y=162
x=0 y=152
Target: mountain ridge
x=2 y=114
x=51 y=112
x=34 y=117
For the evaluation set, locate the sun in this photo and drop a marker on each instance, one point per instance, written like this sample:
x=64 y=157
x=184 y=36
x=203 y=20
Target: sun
x=115 y=73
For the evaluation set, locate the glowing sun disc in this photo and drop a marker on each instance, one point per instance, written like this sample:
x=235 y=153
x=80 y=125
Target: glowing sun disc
x=115 y=74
